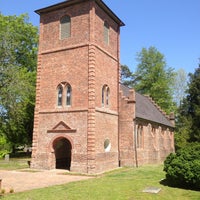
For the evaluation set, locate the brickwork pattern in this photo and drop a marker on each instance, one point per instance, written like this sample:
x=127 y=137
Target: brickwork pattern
x=87 y=63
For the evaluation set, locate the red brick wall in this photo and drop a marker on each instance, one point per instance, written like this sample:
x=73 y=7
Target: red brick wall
x=154 y=147
x=50 y=26
x=126 y=129
x=86 y=63
x=107 y=128
x=57 y=68
x=112 y=48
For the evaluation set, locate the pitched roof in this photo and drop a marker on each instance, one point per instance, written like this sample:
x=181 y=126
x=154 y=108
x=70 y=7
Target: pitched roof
x=72 y=2
x=146 y=109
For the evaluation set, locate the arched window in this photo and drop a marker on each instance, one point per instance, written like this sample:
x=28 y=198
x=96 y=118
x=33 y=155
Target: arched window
x=68 y=94
x=64 y=94
x=105 y=96
x=139 y=136
x=65 y=27
x=106 y=32
x=60 y=95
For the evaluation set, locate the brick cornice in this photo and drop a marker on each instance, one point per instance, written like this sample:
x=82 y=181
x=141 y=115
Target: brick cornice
x=63 y=111
x=81 y=45
x=106 y=111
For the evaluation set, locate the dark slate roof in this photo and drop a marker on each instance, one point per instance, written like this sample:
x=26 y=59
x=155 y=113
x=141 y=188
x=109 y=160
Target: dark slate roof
x=125 y=90
x=146 y=109
x=72 y=2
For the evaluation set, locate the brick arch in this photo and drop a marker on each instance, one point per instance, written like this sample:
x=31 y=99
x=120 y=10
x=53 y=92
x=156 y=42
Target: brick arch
x=58 y=137
x=61 y=146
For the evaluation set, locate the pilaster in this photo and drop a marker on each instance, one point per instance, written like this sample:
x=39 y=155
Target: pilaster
x=36 y=113
x=91 y=95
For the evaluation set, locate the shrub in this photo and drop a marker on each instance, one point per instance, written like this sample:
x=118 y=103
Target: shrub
x=4 y=147
x=183 y=168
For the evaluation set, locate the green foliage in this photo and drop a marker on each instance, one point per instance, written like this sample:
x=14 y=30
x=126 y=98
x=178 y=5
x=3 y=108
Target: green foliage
x=183 y=168
x=180 y=86
x=187 y=123
x=193 y=100
x=4 y=147
x=156 y=79
x=128 y=78
x=18 y=50
x=152 y=77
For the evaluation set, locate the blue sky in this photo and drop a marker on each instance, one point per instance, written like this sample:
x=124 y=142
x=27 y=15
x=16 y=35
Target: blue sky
x=172 y=26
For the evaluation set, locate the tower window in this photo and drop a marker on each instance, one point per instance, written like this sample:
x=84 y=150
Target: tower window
x=68 y=95
x=102 y=101
x=64 y=91
x=105 y=96
x=106 y=32
x=65 y=27
x=60 y=94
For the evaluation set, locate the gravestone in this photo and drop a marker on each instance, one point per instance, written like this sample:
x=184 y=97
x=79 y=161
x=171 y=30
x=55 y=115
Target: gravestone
x=154 y=190
x=7 y=157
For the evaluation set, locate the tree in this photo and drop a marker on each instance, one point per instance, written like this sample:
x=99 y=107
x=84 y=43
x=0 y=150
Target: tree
x=187 y=123
x=18 y=50
x=183 y=125
x=193 y=99
x=180 y=86
x=127 y=76
x=155 y=78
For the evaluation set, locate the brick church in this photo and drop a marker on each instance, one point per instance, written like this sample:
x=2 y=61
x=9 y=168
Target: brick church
x=85 y=120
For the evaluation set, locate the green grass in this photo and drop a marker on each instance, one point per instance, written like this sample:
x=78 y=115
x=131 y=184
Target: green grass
x=14 y=163
x=121 y=184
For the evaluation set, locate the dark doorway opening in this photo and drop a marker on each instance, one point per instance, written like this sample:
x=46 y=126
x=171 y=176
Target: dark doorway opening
x=62 y=148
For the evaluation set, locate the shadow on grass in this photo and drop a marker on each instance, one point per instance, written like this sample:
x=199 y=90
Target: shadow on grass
x=169 y=183
x=20 y=154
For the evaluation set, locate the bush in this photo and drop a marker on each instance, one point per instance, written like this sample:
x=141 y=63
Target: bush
x=183 y=168
x=4 y=147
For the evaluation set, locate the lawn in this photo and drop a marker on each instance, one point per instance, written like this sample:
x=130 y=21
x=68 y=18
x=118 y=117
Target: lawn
x=14 y=163
x=121 y=184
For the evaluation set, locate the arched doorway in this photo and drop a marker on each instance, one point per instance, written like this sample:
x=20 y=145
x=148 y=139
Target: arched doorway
x=62 y=148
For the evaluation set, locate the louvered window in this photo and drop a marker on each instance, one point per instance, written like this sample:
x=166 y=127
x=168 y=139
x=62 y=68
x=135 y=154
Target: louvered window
x=105 y=96
x=106 y=33
x=65 y=27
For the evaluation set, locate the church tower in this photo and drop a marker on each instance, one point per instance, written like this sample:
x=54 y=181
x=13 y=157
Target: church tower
x=77 y=92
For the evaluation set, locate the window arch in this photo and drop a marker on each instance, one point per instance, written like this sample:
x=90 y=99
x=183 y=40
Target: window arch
x=105 y=96
x=64 y=94
x=106 y=32
x=59 y=95
x=65 y=27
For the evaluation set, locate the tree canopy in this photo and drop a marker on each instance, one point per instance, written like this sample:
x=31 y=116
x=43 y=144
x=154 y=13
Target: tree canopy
x=187 y=124
x=180 y=86
x=18 y=50
x=152 y=77
x=193 y=102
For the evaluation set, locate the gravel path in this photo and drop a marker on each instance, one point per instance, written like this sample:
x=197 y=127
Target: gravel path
x=27 y=180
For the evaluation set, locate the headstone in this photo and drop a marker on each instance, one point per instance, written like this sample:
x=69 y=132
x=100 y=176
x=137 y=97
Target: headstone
x=7 y=157
x=154 y=190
